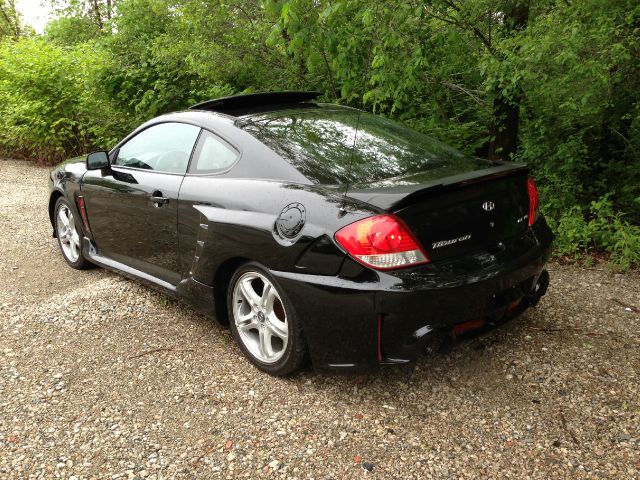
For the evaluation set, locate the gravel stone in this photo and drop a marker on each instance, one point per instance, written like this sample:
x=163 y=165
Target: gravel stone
x=367 y=466
x=102 y=378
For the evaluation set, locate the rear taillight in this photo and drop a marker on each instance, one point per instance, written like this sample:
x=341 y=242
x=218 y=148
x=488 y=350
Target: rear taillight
x=381 y=242
x=533 y=201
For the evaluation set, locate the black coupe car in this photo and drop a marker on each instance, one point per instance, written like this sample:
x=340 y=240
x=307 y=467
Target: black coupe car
x=316 y=231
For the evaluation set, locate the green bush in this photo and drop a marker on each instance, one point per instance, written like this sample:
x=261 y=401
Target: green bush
x=49 y=105
x=599 y=228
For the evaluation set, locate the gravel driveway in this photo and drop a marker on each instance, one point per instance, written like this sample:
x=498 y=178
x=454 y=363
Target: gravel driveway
x=103 y=378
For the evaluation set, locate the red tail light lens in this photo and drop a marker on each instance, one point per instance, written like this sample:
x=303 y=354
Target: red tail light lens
x=533 y=201
x=382 y=242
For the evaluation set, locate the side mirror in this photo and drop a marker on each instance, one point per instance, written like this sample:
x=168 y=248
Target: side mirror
x=98 y=160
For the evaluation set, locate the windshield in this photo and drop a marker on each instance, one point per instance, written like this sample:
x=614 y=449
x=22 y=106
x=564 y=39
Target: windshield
x=319 y=142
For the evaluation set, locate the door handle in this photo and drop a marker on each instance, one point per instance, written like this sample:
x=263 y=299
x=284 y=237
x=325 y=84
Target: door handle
x=158 y=199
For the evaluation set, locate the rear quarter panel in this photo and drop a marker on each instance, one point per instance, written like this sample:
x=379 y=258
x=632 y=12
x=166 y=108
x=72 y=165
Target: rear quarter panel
x=225 y=218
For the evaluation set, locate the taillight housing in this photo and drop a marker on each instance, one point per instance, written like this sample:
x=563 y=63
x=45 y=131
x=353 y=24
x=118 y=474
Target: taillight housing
x=533 y=201
x=382 y=242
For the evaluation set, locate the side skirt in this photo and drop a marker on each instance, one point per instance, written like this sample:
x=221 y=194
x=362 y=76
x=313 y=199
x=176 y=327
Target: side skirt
x=189 y=289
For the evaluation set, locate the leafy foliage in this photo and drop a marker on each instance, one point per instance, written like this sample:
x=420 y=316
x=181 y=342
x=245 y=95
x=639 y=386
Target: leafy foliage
x=552 y=83
x=604 y=229
x=9 y=20
x=49 y=103
x=70 y=31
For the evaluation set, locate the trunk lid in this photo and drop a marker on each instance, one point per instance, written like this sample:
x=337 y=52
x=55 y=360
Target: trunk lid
x=457 y=214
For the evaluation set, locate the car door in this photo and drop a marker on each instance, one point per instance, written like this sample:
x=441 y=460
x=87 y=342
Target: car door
x=133 y=205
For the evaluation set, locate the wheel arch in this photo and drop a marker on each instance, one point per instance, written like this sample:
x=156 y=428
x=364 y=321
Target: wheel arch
x=221 y=280
x=55 y=195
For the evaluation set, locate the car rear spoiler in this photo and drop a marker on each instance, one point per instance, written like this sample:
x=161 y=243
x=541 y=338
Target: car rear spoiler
x=392 y=197
x=238 y=105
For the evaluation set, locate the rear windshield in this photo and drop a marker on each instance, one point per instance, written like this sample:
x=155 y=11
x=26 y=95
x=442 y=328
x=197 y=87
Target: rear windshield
x=320 y=142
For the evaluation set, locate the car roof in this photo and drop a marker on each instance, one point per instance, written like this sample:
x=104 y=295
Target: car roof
x=256 y=159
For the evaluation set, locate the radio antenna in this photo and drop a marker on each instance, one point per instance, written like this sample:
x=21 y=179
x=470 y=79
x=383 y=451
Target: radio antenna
x=343 y=210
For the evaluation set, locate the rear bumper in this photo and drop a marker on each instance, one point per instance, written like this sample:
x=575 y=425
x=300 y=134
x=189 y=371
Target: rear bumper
x=408 y=329
x=361 y=318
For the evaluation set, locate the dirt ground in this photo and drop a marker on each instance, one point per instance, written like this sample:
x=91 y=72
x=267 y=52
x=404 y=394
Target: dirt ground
x=103 y=378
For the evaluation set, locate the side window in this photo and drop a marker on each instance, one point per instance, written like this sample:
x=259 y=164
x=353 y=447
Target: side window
x=165 y=147
x=212 y=154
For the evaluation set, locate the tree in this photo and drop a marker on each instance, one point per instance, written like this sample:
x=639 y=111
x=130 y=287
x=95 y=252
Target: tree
x=71 y=30
x=9 y=20
x=99 y=12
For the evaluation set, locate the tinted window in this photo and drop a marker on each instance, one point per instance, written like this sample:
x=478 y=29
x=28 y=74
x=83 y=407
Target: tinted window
x=319 y=143
x=165 y=147
x=212 y=154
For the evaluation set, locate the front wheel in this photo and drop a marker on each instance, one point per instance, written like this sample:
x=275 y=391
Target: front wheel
x=69 y=236
x=263 y=321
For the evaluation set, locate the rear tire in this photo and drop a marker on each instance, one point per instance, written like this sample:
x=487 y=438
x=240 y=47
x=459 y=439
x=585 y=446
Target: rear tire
x=69 y=235
x=263 y=321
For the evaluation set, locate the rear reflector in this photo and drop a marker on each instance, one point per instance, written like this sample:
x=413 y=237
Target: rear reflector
x=379 y=337
x=533 y=201
x=382 y=242
x=465 y=327
x=512 y=306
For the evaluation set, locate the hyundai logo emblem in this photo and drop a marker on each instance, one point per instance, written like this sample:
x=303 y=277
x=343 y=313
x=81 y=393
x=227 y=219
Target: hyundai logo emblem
x=488 y=206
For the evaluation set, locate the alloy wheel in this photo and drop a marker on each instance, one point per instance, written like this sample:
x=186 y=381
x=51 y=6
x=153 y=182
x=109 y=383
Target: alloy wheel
x=260 y=317
x=68 y=234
